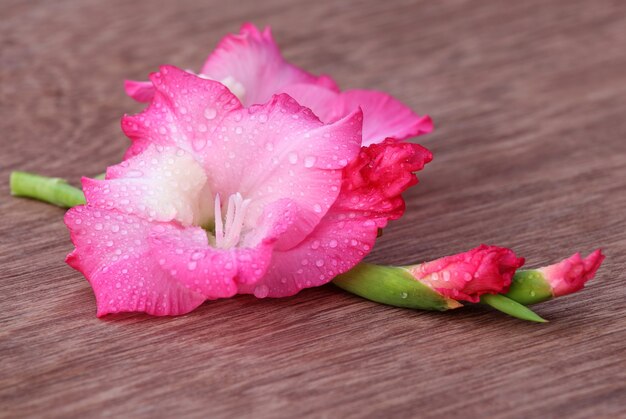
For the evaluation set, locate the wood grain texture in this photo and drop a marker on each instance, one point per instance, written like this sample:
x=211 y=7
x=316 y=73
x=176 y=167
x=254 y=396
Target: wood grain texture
x=529 y=102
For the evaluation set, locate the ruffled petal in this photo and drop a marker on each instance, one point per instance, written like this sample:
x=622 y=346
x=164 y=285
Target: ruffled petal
x=141 y=91
x=185 y=112
x=163 y=268
x=370 y=196
x=251 y=64
x=114 y=254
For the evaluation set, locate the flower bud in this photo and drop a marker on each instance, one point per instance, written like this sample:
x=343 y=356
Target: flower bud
x=466 y=276
x=435 y=285
x=566 y=277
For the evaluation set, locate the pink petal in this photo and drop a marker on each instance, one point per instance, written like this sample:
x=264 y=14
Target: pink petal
x=114 y=254
x=467 y=276
x=252 y=59
x=141 y=91
x=370 y=196
x=571 y=274
x=159 y=268
x=185 y=111
x=384 y=116
x=162 y=183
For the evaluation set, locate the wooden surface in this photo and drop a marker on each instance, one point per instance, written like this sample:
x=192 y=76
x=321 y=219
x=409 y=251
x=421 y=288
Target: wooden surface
x=529 y=101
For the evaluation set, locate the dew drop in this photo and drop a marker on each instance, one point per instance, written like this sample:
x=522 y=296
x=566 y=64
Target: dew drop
x=261 y=291
x=210 y=113
x=309 y=161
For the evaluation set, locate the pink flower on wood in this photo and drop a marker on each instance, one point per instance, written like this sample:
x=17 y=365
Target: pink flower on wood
x=467 y=276
x=216 y=199
x=251 y=66
x=571 y=274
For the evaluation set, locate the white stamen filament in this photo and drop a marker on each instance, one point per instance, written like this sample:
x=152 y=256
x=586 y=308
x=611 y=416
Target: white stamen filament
x=228 y=232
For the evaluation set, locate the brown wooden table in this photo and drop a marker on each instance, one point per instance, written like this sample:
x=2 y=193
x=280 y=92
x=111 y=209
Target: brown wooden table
x=529 y=101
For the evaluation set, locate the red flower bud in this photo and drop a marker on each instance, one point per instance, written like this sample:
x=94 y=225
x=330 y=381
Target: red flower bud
x=571 y=274
x=467 y=276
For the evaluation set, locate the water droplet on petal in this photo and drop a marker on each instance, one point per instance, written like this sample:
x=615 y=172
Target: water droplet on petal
x=261 y=291
x=309 y=161
x=210 y=113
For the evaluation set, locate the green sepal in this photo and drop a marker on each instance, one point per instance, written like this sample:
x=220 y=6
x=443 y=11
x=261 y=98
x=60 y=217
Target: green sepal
x=393 y=286
x=52 y=190
x=529 y=287
x=511 y=307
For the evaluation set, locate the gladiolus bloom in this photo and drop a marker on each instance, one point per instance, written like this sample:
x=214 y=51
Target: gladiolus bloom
x=251 y=66
x=216 y=199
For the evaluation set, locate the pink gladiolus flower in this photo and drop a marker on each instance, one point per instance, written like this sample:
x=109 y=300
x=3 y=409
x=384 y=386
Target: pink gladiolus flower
x=467 y=276
x=571 y=274
x=251 y=66
x=216 y=199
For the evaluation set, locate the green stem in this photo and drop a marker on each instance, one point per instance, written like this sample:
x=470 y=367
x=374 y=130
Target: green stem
x=529 y=287
x=393 y=286
x=52 y=190
x=511 y=307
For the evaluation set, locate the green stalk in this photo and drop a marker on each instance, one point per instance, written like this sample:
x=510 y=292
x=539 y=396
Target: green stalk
x=529 y=287
x=393 y=286
x=55 y=191
x=511 y=307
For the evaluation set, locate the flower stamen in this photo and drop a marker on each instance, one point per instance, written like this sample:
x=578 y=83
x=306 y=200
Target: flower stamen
x=228 y=231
